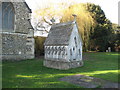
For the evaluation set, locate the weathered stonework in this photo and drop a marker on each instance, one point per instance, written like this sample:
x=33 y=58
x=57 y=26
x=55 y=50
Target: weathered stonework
x=18 y=44
x=62 y=65
x=63 y=47
x=13 y=44
x=22 y=16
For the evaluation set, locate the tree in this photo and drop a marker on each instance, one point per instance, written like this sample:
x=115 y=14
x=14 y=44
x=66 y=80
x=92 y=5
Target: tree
x=116 y=37
x=101 y=36
x=64 y=13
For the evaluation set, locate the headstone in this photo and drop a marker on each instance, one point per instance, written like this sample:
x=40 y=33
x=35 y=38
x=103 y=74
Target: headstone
x=106 y=50
x=109 y=49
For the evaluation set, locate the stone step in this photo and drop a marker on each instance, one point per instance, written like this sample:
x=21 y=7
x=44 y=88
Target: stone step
x=89 y=82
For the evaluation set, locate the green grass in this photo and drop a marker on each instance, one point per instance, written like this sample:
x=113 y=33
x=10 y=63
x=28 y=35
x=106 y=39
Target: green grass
x=32 y=73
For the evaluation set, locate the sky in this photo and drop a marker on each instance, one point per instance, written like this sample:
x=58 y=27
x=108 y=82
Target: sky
x=110 y=7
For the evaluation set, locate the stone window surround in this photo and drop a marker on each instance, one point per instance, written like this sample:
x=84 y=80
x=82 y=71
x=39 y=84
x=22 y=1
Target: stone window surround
x=15 y=20
x=14 y=26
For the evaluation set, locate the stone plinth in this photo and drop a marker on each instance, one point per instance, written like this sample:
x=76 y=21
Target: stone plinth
x=62 y=65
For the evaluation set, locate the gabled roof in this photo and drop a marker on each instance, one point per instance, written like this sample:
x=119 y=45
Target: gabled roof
x=30 y=11
x=59 y=34
x=30 y=25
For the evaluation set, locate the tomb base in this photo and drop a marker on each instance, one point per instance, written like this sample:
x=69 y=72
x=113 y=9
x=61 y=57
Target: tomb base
x=62 y=65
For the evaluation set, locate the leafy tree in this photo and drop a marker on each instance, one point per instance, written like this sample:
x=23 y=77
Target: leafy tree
x=116 y=37
x=101 y=36
x=84 y=19
x=39 y=46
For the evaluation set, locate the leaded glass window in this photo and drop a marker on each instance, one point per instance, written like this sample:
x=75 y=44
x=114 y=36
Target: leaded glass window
x=7 y=17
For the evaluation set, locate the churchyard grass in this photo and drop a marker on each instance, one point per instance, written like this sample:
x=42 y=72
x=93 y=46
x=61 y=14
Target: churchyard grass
x=32 y=73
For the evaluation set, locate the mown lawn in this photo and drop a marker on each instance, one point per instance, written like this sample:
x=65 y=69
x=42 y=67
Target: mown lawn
x=32 y=73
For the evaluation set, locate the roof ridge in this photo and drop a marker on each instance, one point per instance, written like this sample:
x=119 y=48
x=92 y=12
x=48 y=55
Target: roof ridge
x=63 y=24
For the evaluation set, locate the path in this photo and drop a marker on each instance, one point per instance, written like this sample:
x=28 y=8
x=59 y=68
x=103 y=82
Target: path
x=89 y=82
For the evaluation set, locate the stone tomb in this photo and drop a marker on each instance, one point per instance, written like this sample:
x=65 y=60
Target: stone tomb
x=63 y=46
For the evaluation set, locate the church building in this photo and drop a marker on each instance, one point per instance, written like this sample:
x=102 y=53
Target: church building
x=16 y=31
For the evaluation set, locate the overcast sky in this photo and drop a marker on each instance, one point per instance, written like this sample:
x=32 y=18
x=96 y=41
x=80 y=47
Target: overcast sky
x=110 y=7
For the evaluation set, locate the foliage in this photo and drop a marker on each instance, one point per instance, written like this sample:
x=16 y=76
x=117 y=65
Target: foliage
x=103 y=30
x=39 y=45
x=116 y=37
x=32 y=73
x=96 y=30
x=64 y=13
x=84 y=20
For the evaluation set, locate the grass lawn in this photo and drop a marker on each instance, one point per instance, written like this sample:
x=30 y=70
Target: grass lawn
x=32 y=73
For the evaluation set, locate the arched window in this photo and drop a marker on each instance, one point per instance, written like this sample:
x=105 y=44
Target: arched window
x=79 y=51
x=70 y=52
x=7 y=17
x=75 y=41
